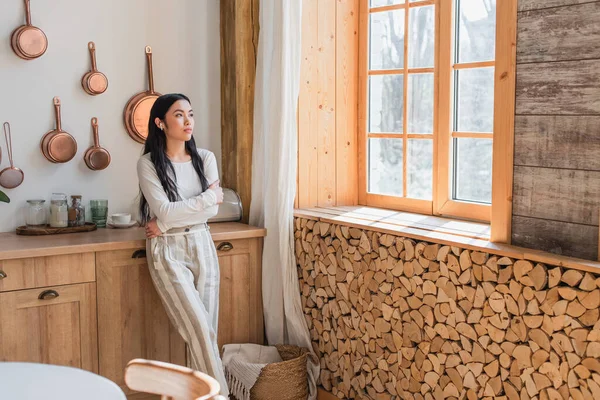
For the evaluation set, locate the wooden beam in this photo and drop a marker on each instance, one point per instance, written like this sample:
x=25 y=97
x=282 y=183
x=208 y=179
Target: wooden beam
x=504 y=121
x=239 y=44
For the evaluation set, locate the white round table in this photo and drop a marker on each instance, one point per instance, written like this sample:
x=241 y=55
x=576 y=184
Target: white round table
x=25 y=381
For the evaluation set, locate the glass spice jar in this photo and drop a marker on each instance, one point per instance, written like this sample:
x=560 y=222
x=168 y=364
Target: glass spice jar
x=59 y=217
x=36 y=213
x=76 y=211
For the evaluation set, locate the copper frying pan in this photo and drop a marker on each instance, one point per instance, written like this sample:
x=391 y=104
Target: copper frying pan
x=57 y=145
x=137 y=110
x=96 y=157
x=94 y=82
x=28 y=41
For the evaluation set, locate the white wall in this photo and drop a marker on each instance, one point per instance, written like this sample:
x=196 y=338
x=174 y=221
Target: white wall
x=184 y=35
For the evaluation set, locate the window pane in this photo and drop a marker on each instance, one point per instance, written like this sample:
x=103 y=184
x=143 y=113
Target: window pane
x=475 y=109
x=421 y=34
x=385 y=103
x=385 y=166
x=379 y=3
x=473 y=170
x=420 y=103
x=477 y=30
x=420 y=169
x=386 y=41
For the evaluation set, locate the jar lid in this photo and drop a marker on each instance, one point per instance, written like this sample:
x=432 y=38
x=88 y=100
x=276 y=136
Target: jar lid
x=36 y=201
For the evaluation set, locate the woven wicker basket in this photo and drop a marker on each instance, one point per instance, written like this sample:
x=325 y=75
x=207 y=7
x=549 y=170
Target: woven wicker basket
x=285 y=380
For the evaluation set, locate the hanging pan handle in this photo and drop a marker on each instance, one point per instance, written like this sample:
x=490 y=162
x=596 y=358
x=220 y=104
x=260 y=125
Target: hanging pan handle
x=8 y=138
x=92 y=48
x=57 y=113
x=150 y=73
x=27 y=12
x=95 y=129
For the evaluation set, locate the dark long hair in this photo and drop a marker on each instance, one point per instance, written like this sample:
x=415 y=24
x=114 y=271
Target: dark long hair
x=156 y=145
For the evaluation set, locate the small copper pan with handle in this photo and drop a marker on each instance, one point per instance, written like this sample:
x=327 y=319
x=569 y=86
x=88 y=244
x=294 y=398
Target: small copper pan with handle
x=96 y=158
x=94 y=82
x=28 y=41
x=10 y=177
x=57 y=145
x=137 y=110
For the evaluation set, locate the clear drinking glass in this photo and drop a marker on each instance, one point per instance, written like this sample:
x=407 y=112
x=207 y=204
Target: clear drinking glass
x=99 y=209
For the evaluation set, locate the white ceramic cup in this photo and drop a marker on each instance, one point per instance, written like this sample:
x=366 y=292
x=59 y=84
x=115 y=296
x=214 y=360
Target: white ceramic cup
x=121 y=218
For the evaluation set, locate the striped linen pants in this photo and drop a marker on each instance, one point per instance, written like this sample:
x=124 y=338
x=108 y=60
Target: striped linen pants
x=185 y=270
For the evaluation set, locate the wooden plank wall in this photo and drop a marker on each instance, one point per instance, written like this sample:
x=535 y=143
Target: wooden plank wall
x=327 y=108
x=557 y=127
x=239 y=41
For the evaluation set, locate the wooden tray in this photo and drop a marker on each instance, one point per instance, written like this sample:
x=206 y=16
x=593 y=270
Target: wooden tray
x=48 y=230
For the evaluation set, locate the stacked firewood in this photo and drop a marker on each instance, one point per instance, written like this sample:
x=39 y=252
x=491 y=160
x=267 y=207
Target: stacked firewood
x=390 y=317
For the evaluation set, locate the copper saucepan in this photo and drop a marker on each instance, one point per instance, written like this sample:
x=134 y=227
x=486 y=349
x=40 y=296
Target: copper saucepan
x=96 y=157
x=137 y=110
x=28 y=41
x=57 y=145
x=94 y=82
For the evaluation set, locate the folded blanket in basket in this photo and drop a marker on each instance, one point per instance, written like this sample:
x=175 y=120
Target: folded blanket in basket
x=243 y=363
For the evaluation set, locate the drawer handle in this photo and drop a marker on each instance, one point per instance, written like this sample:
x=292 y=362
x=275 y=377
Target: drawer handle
x=225 y=246
x=48 y=295
x=139 y=254
x=2 y=274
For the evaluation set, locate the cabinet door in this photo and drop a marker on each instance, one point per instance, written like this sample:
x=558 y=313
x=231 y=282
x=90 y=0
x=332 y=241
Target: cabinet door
x=132 y=322
x=53 y=325
x=240 y=297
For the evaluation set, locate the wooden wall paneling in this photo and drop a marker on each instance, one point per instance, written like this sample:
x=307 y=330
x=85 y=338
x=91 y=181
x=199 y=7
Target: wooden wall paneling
x=239 y=41
x=327 y=109
x=557 y=237
x=326 y=67
x=525 y=5
x=308 y=132
x=346 y=117
x=569 y=33
x=558 y=141
x=557 y=168
x=563 y=88
x=504 y=121
x=363 y=93
x=557 y=194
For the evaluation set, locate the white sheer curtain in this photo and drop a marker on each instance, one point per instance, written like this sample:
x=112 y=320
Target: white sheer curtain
x=274 y=164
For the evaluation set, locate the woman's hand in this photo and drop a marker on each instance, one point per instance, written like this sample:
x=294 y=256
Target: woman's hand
x=217 y=190
x=152 y=229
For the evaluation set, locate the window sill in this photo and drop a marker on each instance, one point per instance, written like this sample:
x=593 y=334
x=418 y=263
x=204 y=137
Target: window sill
x=446 y=231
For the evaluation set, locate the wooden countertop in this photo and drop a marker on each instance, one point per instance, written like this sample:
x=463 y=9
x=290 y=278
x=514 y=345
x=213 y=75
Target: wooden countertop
x=19 y=246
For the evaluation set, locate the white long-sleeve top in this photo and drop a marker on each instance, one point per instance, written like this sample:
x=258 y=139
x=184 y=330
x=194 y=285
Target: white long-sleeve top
x=195 y=206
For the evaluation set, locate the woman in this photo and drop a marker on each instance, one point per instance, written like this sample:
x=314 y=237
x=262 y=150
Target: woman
x=179 y=191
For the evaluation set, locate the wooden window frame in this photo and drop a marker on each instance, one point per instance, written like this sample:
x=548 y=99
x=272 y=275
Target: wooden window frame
x=380 y=200
x=499 y=214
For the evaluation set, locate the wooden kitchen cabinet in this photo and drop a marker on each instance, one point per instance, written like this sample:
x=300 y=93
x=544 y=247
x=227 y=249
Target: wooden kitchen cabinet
x=107 y=311
x=132 y=322
x=52 y=325
x=240 y=296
